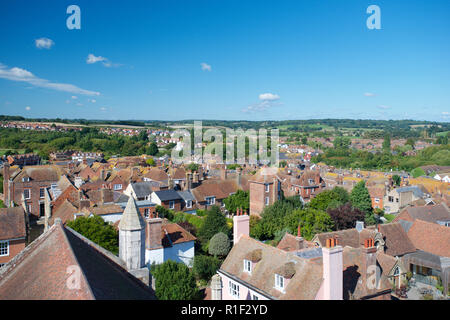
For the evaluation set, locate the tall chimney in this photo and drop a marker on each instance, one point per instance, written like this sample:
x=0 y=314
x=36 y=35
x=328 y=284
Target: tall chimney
x=299 y=239
x=333 y=281
x=241 y=226
x=369 y=263
x=153 y=234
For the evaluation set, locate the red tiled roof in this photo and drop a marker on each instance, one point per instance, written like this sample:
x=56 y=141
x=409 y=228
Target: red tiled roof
x=12 y=223
x=430 y=237
x=54 y=258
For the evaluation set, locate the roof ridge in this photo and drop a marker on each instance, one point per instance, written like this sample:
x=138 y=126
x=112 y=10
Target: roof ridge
x=60 y=225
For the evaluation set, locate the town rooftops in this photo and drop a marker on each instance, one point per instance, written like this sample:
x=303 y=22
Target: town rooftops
x=12 y=223
x=57 y=258
x=305 y=275
x=428 y=213
x=39 y=173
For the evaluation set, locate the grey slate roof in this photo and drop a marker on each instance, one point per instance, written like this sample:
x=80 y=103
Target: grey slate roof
x=144 y=189
x=186 y=195
x=406 y=225
x=415 y=189
x=166 y=195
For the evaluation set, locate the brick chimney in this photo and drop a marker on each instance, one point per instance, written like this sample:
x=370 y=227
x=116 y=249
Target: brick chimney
x=333 y=280
x=299 y=238
x=241 y=225
x=153 y=234
x=369 y=263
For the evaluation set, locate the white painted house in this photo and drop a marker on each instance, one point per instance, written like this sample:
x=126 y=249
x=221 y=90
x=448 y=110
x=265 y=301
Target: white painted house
x=143 y=242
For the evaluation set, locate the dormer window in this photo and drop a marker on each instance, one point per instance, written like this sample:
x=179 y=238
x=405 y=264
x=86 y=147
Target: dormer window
x=279 y=282
x=247 y=266
x=26 y=179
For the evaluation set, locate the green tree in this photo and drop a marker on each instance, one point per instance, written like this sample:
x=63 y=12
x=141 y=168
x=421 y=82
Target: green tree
x=1 y=184
x=2 y=205
x=214 y=222
x=360 y=197
x=397 y=179
x=164 y=213
x=418 y=172
x=151 y=162
x=330 y=199
x=97 y=230
x=205 y=266
x=153 y=149
x=387 y=143
x=241 y=199
x=174 y=281
x=410 y=142
x=219 y=245
x=311 y=222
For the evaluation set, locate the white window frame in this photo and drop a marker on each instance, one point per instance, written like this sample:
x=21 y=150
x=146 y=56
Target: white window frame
x=279 y=282
x=189 y=204
x=42 y=190
x=116 y=186
x=29 y=194
x=247 y=266
x=267 y=187
x=146 y=212
x=4 y=248
x=234 y=289
x=210 y=201
x=267 y=201
x=377 y=200
x=171 y=204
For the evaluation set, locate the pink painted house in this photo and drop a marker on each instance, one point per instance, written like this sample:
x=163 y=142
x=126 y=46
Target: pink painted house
x=257 y=271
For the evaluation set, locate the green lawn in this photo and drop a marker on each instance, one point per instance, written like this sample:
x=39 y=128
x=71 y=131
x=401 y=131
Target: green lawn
x=389 y=217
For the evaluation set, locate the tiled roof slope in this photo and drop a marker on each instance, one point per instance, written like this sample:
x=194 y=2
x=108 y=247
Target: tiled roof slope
x=12 y=223
x=50 y=257
x=430 y=237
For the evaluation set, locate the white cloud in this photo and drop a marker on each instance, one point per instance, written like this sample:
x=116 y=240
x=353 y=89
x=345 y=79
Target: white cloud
x=205 y=66
x=383 y=107
x=44 y=43
x=92 y=100
x=269 y=97
x=103 y=108
x=369 y=94
x=445 y=113
x=267 y=101
x=22 y=75
x=74 y=97
x=93 y=59
x=28 y=108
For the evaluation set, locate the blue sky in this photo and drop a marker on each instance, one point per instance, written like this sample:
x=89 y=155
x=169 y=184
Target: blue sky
x=226 y=59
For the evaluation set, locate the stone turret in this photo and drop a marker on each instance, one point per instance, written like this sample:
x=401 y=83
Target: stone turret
x=132 y=237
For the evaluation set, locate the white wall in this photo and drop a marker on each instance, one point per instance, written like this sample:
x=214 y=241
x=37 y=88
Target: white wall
x=182 y=252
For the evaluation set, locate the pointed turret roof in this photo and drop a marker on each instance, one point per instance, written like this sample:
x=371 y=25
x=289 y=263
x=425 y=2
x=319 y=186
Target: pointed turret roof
x=131 y=218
